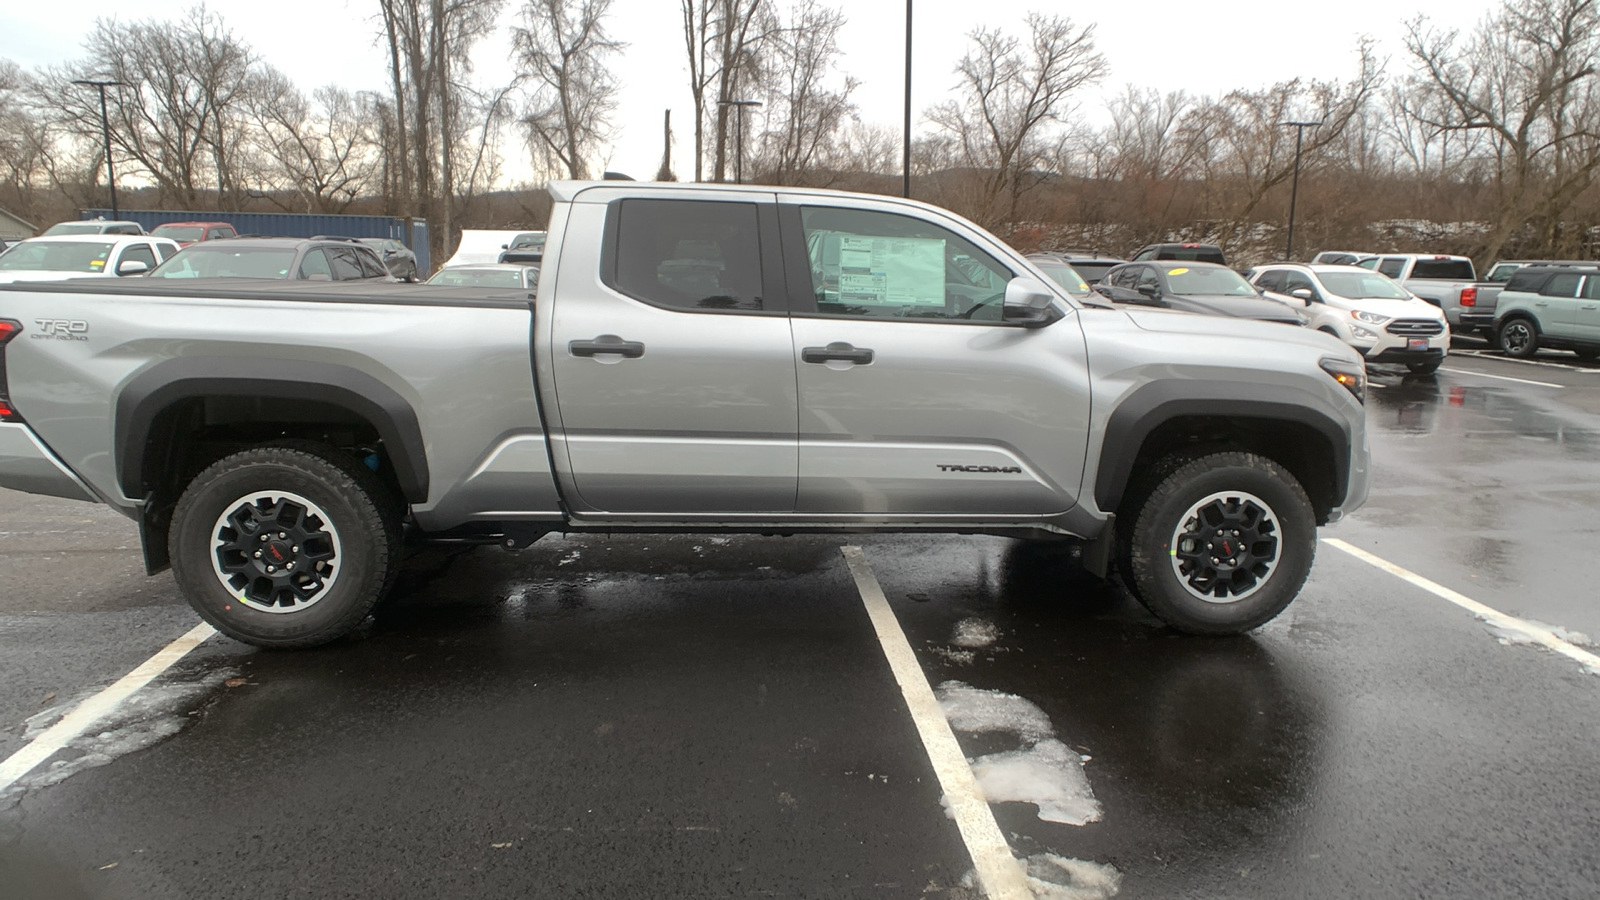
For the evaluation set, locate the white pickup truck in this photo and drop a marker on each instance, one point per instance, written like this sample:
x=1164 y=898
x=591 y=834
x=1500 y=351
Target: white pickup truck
x=1448 y=282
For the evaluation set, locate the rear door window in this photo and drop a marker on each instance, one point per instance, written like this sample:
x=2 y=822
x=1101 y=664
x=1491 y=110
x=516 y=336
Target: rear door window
x=138 y=253
x=686 y=254
x=1564 y=285
x=371 y=266
x=315 y=263
x=344 y=264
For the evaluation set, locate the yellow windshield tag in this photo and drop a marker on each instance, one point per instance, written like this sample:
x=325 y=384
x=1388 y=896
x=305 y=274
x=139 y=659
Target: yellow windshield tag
x=1177 y=271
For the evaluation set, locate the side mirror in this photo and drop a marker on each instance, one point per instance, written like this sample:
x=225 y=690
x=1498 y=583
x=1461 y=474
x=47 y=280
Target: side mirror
x=1028 y=301
x=1303 y=293
x=1150 y=291
x=132 y=267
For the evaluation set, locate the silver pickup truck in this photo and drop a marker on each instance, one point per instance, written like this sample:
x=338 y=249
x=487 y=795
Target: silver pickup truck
x=1448 y=282
x=697 y=358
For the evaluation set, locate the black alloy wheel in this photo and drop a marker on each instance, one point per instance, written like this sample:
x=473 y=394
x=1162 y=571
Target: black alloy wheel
x=1518 y=337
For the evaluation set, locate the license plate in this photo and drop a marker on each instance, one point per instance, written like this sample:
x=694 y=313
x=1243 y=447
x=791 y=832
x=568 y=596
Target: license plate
x=1417 y=344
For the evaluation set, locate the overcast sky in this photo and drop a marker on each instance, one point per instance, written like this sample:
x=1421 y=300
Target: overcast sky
x=1201 y=47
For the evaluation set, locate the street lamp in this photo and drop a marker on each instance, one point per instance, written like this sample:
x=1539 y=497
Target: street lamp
x=738 y=150
x=905 y=162
x=105 y=132
x=1294 y=190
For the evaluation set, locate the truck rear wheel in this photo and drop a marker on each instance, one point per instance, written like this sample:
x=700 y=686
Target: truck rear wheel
x=1221 y=544
x=285 y=546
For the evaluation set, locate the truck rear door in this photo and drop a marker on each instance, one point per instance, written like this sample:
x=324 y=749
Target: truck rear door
x=916 y=399
x=672 y=356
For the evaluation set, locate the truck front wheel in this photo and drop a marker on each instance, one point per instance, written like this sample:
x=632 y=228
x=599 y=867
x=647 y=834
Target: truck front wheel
x=1221 y=544
x=285 y=546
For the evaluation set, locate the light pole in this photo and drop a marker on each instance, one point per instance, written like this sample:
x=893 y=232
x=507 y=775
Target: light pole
x=905 y=162
x=105 y=132
x=1294 y=190
x=738 y=131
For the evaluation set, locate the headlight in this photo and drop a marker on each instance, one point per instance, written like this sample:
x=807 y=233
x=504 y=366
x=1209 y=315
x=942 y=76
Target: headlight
x=1360 y=332
x=1372 y=318
x=1352 y=375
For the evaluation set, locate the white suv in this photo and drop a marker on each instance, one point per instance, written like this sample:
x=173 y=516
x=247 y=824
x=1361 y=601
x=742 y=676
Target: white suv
x=1369 y=311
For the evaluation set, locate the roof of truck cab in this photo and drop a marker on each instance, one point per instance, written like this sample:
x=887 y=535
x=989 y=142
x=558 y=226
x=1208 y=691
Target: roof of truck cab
x=369 y=292
x=567 y=191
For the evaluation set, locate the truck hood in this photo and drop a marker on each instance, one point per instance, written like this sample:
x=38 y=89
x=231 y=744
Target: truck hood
x=12 y=277
x=1225 y=330
x=1239 y=307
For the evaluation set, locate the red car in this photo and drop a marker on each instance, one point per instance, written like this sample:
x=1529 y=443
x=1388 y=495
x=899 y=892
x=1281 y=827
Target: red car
x=186 y=233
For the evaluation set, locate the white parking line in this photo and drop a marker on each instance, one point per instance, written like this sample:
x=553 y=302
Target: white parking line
x=1501 y=377
x=95 y=708
x=1536 y=633
x=1548 y=364
x=1000 y=874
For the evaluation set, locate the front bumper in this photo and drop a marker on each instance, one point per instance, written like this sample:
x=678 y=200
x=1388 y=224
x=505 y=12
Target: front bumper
x=27 y=465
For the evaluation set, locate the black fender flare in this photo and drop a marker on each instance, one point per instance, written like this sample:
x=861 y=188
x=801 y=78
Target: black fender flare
x=155 y=389
x=1158 y=402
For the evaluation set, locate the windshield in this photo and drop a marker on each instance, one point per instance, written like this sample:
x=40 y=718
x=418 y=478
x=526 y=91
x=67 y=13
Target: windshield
x=1362 y=286
x=1209 y=281
x=1066 y=276
x=201 y=261
x=528 y=241
x=57 y=256
x=74 y=228
x=506 y=278
x=183 y=234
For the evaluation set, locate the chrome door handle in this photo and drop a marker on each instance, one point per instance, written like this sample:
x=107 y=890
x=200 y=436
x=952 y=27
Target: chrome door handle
x=607 y=343
x=839 y=350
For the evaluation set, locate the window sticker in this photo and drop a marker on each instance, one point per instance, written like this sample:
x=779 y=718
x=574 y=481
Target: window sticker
x=891 y=271
x=1177 y=271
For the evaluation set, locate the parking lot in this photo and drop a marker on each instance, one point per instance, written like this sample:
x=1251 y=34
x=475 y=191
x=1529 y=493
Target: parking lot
x=699 y=716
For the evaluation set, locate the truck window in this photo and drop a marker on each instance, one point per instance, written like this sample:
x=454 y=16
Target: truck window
x=688 y=254
x=1591 y=287
x=1443 y=270
x=1392 y=266
x=1563 y=285
x=883 y=265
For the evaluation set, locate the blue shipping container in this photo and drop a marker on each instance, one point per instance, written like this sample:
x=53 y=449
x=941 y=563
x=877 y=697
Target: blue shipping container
x=289 y=225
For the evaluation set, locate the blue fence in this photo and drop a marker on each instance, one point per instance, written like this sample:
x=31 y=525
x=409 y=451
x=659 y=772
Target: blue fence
x=289 y=225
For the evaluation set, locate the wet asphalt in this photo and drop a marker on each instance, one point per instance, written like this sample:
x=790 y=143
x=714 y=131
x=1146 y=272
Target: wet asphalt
x=694 y=716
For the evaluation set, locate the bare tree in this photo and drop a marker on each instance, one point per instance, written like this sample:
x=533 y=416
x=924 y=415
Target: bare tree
x=807 y=104
x=323 y=150
x=723 y=39
x=1009 y=91
x=1525 y=81
x=562 y=47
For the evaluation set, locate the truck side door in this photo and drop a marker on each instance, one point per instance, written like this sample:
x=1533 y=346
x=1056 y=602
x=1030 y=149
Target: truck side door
x=672 y=357
x=916 y=398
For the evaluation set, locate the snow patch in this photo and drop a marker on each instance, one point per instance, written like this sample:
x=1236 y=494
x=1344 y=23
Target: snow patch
x=1048 y=774
x=152 y=714
x=975 y=633
x=1510 y=636
x=1055 y=877
x=978 y=711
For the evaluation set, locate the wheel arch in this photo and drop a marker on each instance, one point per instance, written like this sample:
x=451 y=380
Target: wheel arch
x=1300 y=433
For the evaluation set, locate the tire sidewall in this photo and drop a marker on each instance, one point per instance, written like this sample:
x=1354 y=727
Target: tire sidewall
x=1159 y=586
x=346 y=601
x=1532 y=346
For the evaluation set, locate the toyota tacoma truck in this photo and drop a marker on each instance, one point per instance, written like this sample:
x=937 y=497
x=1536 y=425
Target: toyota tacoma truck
x=696 y=358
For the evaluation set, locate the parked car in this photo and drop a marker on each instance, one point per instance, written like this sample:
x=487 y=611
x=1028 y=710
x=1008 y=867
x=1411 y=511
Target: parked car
x=1339 y=257
x=323 y=430
x=1371 y=312
x=1062 y=274
x=1209 y=253
x=63 y=256
x=1087 y=263
x=1199 y=287
x=1501 y=272
x=527 y=247
x=1448 y=282
x=396 y=256
x=1546 y=306
x=500 y=275
x=186 y=233
x=262 y=257
x=479 y=246
x=94 y=226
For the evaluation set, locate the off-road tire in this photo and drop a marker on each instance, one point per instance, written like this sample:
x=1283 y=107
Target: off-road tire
x=362 y=513
x=1156 y=516
x=1517 y=337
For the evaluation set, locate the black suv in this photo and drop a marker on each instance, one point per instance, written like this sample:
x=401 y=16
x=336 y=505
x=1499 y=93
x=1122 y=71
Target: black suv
x=1210 y=253
x=525 y=249
x=1088 y=263
x=310 y=259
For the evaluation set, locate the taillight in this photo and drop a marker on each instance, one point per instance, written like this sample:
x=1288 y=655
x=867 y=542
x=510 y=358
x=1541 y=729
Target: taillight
x=8 y=330
x=1469 y=296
